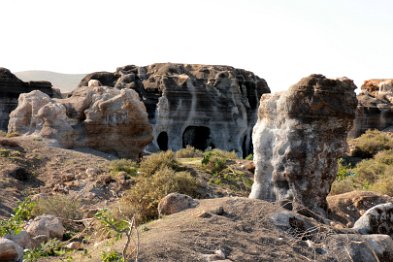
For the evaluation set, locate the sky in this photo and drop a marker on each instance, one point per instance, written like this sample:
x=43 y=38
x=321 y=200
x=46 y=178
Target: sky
x=279 y=40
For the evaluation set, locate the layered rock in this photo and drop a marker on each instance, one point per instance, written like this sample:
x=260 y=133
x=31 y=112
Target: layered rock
x=199 y=105
x=10 y=89
x=297 y=139
x=103 y=118
x=375 y=108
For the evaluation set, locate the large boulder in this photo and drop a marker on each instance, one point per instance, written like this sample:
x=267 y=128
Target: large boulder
x=103 y=118
x=10 y=89
x=45 y=227
x=10 y=251
x=198 y=105
x=297 y=139
x=375 y=109
x=377 y=220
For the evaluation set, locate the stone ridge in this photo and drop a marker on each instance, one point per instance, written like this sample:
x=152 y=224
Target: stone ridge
x=199 y=105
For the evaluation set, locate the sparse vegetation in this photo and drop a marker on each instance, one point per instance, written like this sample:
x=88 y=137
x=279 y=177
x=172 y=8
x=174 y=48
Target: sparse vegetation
x=52 y=247
x=370 y=143
x=151 y=164
x=4 y=152
x=143 y=198
x=124 y=165
x=188 y=152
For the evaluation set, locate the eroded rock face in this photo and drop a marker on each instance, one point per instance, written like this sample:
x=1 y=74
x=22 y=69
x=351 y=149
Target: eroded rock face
x=199 y=105
x=10 y=89
x=377 y=220
x=297 y=139
x=375 y=109
x=106 y=119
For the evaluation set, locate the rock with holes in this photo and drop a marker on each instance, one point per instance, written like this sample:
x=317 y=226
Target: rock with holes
x=377 y=220
x=102 y=118
x=10 y=251
x=360 y=248
x=297 y=140
x=175 y=202
x=199 y=105
x=45 y=227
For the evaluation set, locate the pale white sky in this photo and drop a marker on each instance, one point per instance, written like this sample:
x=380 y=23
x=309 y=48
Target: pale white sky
x=279 y=40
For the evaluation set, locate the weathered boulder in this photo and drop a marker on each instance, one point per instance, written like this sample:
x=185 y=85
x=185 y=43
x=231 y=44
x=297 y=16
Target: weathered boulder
x=45 y=227
x=10 y=89
x=348 y=207
x=199 y=105
x=297 y=139
x=360 y=248
x=10 y=251
x=377 y=220
x=375 y=108
x=103 y=118
x=175 y=202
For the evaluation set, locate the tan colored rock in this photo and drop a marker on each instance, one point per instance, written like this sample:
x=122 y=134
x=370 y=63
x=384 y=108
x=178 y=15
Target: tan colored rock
x=101 y=118
x=297 y=139
x=174 y=203
x=45 y=227
x=10 y=251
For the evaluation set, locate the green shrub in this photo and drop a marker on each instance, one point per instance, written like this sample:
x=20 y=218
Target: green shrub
x=143 y=198
x=111 y=256
x=370 y=143
x=61 y=206
x=216 y=160
x=52 y=247
x=21 y=213
x=344 y=185
x=157 y=161
x=249 y=157
x=124 y=165
x=188 y=152
x=4 y=152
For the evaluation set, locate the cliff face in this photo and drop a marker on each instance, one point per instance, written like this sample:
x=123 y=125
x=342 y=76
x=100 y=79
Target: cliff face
x=297 y=140
x=10 y=89
x=199 y=105
x=375 y=108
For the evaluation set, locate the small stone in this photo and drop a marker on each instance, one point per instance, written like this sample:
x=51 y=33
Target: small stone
x=204 y=214
x=92 y=172
x=174 y=203
x=74 y=245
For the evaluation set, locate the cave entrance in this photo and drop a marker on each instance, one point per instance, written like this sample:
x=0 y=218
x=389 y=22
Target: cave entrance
x=197 y=137
x=162 y=141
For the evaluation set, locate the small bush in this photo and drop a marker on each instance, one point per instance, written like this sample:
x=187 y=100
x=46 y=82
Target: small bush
x=124 y=165
x=4 y=152
x=249 y=157
x=216 y=160
x=344 y=185
x=111 y=256
x=12 y=134
x=370 y=143
x=22 y=213
x=142 y=200
x=188 y=152
x=157 y=161
x=383 y=185
x=60 y=206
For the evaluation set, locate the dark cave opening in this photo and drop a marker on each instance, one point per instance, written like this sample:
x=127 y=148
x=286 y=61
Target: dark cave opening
x=197 y=137
x=162 y=141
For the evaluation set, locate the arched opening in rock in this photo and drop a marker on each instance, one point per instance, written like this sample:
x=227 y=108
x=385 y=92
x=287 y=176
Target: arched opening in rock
x=162 y=141
x=196 y=136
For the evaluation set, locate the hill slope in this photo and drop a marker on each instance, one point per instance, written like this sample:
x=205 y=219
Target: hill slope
x=65 y=82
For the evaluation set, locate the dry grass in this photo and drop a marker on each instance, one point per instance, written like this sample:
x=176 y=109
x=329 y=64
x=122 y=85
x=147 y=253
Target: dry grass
x=370 y=143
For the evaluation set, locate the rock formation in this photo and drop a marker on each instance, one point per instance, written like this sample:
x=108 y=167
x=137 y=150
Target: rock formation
x=199 y=105
x=377 y=220
x=375 y=108
x=297 y=139
x=10 y=89
x=106 y=119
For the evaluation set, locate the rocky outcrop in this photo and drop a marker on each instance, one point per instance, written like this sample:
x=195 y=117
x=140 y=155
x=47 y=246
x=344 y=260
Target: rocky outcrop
x=199 y=105
x=375 y=108
x=10 y=89
x=297 y=140
x=45 y=227
x=103 y=118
